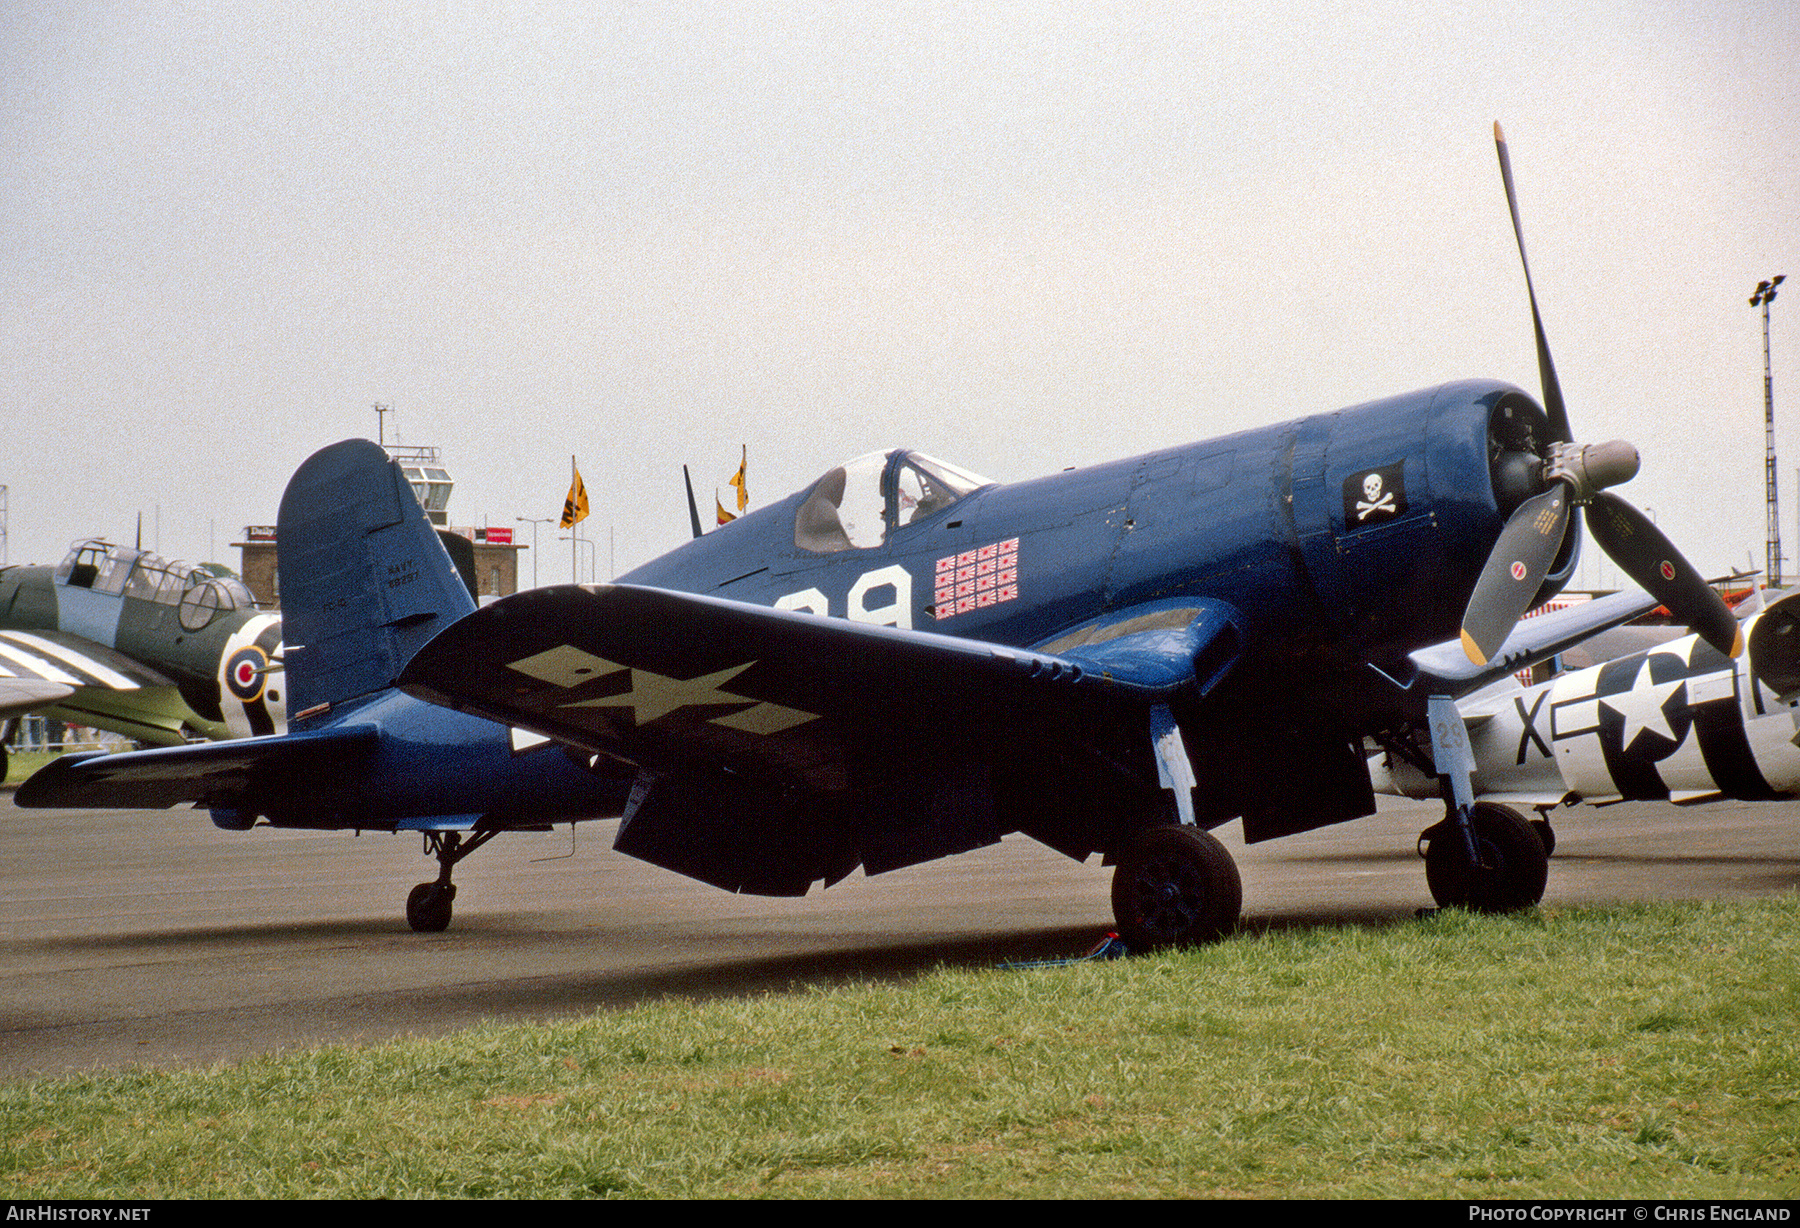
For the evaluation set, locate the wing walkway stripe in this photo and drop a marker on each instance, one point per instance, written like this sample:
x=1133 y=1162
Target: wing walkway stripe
x=68 y=656
x=37 y=665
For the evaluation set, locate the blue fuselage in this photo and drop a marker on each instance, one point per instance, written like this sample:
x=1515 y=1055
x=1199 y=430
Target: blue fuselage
x=1274 y=521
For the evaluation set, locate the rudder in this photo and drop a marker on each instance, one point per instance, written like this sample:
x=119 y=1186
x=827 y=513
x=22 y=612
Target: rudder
x=365 y=582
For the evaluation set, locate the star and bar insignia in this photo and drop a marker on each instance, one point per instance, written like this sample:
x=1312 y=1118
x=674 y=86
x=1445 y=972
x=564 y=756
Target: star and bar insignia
x=653 y=696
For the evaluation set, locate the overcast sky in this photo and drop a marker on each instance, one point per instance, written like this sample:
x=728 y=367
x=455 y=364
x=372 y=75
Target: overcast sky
x=1018 y=236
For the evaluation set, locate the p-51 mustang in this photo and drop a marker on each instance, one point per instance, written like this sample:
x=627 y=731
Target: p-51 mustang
x=1109 y=660
x=122 y=639
x=365 y=581
x=1677 y=722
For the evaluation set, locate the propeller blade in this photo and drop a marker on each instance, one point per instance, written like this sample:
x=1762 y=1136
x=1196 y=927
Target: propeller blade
x=1553 y=398
x=1515 y=571
x=1633 y=541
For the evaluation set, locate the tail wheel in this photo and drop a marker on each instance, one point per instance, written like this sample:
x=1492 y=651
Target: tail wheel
x=1175 y=886
x=428 y=907
x=1514 y=865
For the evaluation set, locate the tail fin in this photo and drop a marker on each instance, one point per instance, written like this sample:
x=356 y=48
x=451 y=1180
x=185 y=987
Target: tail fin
x=365 y=582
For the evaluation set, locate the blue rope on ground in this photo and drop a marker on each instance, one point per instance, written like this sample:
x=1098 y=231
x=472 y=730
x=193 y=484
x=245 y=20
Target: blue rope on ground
x=1110 y=947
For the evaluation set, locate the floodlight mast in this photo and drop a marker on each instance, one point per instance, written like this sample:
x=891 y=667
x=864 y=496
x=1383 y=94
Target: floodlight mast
x=534 y=521
x=1763 y=296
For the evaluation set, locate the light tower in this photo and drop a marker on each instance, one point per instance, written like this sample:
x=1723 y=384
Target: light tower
x=1765 y=294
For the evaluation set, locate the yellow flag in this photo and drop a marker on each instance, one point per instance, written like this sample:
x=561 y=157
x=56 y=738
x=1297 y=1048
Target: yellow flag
x=743 y=498
x=725 y=517
x=575 y=507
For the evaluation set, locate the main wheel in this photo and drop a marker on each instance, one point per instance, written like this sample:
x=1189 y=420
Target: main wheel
x=428 y=907
x=1514 y=866
x=1175 y=886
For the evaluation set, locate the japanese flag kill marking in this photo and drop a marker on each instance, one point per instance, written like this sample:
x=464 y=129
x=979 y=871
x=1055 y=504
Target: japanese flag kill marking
x=976 y=578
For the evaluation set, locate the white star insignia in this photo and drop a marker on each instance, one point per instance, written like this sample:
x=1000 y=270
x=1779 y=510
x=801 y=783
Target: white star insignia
x=1642 y=706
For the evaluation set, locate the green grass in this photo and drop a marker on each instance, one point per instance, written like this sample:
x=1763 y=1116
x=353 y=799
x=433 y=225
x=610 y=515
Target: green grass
x=22 y=763
x=1644 y=1052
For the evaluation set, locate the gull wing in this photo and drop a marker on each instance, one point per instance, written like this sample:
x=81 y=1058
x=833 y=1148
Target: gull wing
x=670 y=680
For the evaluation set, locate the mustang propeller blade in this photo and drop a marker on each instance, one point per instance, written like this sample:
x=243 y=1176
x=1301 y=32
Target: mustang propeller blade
x=1533 y=535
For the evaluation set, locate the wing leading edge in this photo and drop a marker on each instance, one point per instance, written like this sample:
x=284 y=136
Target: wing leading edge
x=1445 y=669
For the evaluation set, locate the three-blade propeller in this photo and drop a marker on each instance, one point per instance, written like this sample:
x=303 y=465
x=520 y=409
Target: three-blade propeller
x=1577 y=476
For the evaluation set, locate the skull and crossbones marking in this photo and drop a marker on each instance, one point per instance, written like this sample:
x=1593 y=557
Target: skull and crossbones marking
x=1374 y=498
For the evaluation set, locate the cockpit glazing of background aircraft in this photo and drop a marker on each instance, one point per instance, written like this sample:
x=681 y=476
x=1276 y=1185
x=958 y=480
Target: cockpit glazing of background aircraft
x=123 y=639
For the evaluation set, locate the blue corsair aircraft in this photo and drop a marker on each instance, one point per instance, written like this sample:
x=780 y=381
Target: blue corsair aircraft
x=905 y=661
x=365 y=581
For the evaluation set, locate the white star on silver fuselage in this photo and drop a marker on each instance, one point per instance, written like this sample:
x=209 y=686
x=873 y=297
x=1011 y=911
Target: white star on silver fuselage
x=1642 y=706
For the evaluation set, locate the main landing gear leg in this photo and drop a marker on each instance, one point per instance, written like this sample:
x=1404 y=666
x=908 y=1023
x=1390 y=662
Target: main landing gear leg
x=1482 y=857
x=428 y=905
x=1174 y=884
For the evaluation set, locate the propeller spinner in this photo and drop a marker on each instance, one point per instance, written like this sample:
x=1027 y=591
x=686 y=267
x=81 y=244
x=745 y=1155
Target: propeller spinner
x=1576 y=476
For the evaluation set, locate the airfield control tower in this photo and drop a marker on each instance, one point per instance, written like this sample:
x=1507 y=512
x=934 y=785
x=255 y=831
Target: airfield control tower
x=496 y=555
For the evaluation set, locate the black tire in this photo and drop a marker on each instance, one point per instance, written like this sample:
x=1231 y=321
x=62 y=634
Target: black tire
x=428 y=907
x=1546 y=835
x=1515 y=870
x=1175 y=886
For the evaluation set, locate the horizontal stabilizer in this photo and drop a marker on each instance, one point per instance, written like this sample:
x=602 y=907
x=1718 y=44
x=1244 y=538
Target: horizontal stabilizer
x=213 y=774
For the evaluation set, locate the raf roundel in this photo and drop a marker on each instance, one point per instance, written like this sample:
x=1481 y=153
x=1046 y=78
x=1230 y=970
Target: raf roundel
x=245 y=672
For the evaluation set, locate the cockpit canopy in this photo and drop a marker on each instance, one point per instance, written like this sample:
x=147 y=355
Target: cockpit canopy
x=124 y=571
x=856 y=505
